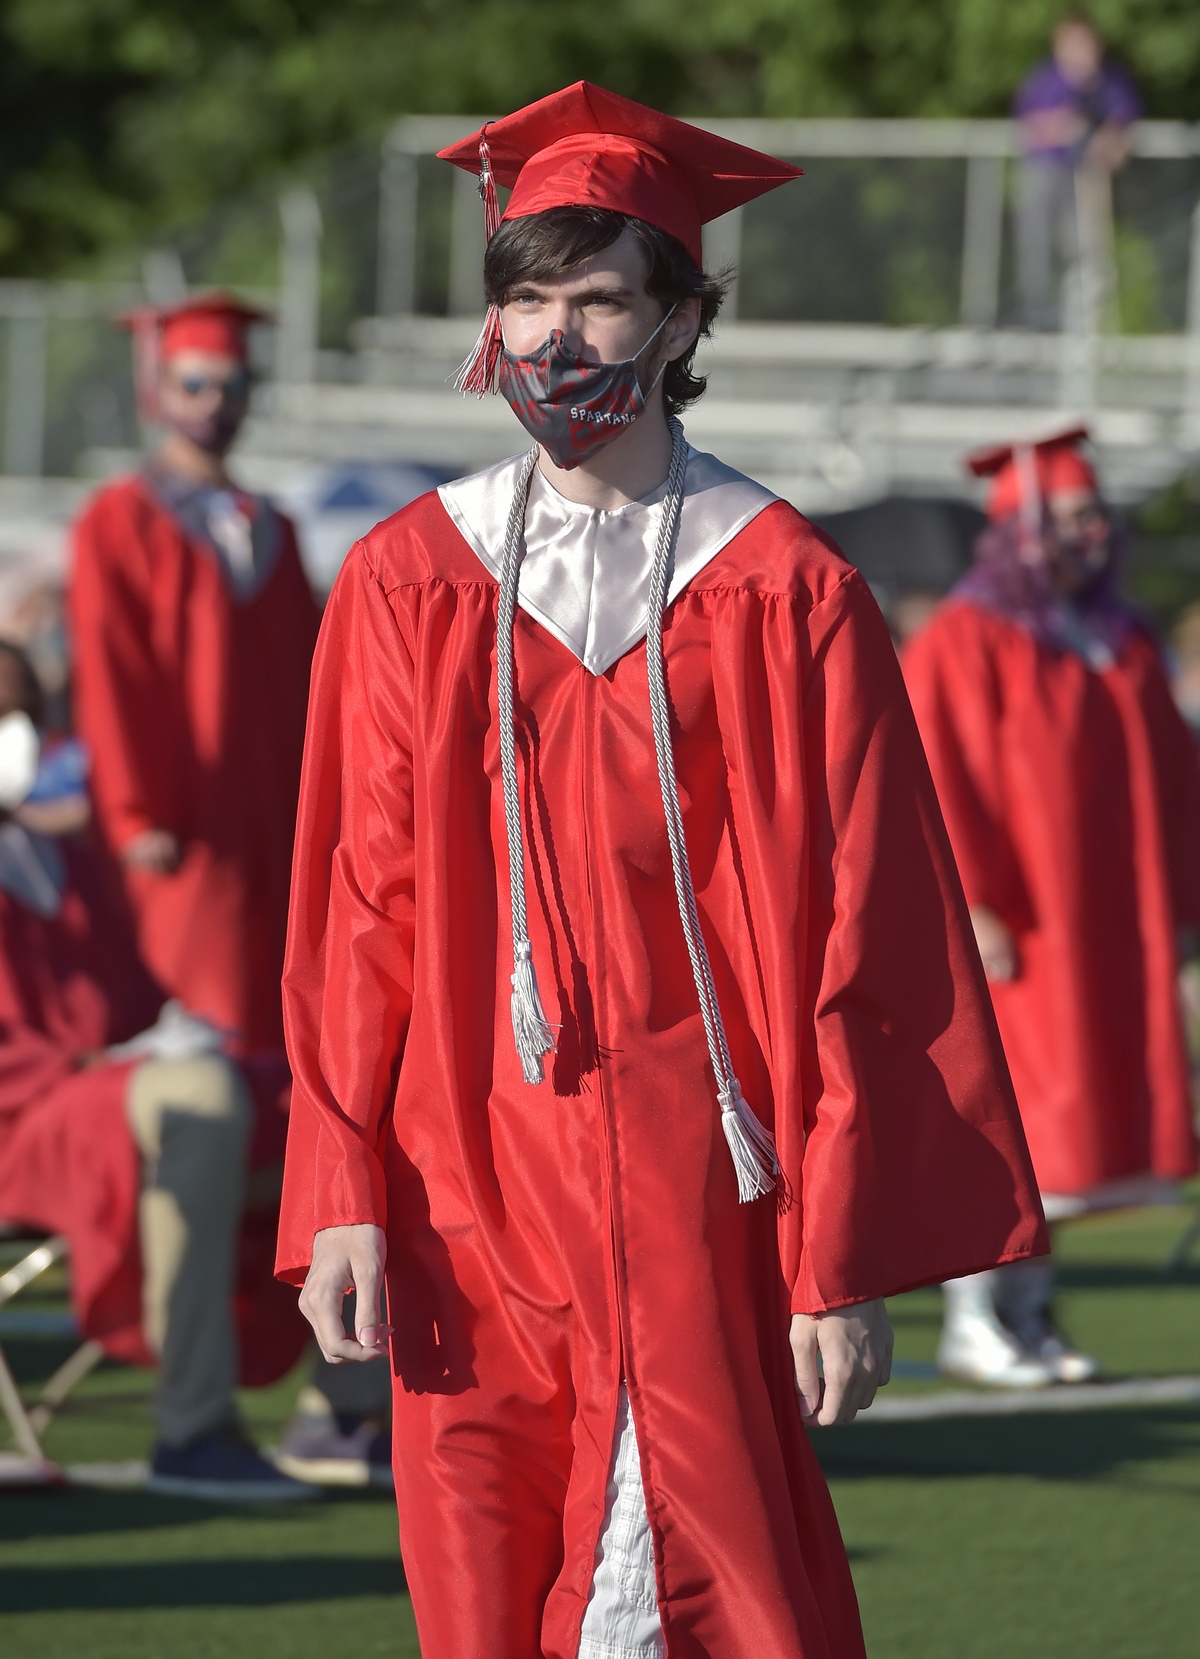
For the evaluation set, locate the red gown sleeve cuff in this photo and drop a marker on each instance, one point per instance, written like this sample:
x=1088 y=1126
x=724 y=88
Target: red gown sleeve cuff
x=1030 y=1239
x=340 y=1183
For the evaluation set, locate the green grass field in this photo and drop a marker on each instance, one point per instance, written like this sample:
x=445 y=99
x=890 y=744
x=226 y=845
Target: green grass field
x=1051 y=1536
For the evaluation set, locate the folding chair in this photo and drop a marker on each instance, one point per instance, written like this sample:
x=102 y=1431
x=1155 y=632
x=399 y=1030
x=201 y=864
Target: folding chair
x=36 y=1253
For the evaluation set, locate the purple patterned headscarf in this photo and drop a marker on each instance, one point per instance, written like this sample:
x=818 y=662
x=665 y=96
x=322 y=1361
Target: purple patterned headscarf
x=1095 y=621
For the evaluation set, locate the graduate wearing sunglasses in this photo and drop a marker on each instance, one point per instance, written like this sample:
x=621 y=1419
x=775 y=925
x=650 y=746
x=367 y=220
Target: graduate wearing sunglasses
x=194 y=627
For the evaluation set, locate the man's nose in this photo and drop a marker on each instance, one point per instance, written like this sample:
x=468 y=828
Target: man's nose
x=572 y=324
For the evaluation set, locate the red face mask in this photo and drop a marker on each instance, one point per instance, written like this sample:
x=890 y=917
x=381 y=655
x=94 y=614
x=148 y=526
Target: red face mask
x=573 y=407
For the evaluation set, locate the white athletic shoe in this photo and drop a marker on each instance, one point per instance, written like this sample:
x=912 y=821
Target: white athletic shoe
x=976 y=1348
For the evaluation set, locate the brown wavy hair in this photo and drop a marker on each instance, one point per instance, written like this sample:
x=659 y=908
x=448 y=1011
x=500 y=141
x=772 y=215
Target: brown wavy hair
x=544 y=245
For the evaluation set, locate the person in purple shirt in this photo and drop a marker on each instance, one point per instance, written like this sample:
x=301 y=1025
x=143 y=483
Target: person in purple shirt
x=1075 y=110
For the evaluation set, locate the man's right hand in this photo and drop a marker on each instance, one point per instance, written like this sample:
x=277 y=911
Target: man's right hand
x=346 y=1259
x=155 y=850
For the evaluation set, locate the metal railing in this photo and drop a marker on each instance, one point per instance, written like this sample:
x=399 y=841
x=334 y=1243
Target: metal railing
x=30 y=310
x=987 y=148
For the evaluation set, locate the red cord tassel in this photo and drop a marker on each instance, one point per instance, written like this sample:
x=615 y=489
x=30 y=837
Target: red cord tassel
x=478 y=373
x=145 y=327
x=487 y=189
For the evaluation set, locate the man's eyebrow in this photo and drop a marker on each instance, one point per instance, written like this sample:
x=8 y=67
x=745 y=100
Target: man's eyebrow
x=606 y=291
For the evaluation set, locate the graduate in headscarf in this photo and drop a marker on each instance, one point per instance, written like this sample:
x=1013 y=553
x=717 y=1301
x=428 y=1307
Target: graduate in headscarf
x=1071 y=790
x=193 y=628
x=613 y=798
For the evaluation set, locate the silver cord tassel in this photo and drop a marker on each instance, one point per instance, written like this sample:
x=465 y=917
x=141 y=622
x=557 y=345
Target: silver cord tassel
x=751 y=1144
x=532 y=1031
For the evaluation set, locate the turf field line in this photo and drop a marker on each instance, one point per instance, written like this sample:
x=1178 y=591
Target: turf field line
x=1131 y=1391
x=133 y=1472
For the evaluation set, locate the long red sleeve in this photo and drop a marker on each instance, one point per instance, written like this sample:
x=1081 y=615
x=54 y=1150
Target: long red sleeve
x=129 y=704
x=348 y=976
x=914 y=1166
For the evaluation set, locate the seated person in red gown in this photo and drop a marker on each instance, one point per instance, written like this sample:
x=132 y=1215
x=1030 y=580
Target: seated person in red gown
x=144 y=1156
x=1070 y=787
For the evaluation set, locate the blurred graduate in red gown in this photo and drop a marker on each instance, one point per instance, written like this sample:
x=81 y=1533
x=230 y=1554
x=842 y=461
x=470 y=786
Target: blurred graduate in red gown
x=1071 y=790
x=193 y=628
x=610 y=723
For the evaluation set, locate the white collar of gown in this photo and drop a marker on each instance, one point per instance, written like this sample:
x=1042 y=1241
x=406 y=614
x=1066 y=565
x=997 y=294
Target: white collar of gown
x=586 y=572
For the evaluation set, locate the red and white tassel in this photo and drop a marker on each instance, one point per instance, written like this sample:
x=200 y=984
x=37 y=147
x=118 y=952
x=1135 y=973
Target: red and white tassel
x=1029 y=522
x=147 y=328
x=487 y=188
x=478 y=372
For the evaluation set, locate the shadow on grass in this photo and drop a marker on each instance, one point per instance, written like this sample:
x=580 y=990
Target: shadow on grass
x=223 y=1582
x=34 y=1358
x=1088 y=1446
x=1127 y=1276
x=76 y=1513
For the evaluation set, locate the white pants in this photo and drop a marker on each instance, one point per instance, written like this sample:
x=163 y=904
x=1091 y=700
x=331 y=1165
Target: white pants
x=621 y=1620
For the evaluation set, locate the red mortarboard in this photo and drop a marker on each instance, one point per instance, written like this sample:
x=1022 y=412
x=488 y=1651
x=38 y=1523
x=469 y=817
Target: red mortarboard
x=215 y=322
x=1020 y=471
x=585 y=147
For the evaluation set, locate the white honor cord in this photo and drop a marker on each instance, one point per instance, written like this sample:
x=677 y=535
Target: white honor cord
x=532 y=1032
x=751 y=1146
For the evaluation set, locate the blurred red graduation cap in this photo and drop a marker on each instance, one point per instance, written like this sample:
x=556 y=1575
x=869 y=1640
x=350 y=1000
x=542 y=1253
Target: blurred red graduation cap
x=1023 y=475
x=216 y=323
x=586 y=147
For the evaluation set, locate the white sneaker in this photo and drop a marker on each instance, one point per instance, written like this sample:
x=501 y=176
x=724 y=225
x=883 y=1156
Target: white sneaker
x=976 y=1348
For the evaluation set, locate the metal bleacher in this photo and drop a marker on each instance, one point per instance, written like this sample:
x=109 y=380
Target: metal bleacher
x=868 y=341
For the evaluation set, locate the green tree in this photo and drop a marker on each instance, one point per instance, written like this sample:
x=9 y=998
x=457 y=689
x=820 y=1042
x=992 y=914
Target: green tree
x=119 y=118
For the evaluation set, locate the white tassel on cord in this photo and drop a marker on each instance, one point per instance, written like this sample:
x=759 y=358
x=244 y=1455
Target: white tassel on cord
x=751 y=1144
x=532 y=1031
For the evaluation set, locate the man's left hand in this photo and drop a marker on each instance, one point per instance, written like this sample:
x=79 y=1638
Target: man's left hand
x=855 y=1346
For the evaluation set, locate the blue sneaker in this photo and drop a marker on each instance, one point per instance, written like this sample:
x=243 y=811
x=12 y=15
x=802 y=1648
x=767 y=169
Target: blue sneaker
x=222 y=1466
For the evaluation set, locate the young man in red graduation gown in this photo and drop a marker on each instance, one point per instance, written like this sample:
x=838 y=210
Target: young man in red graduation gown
x=139 y=1155
x=612 y=797
x=193 y=628
x=1071 y=790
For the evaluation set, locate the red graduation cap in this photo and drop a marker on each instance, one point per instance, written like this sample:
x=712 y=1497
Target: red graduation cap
x=586 y=147
x=1023 y=475
x=215 y=322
